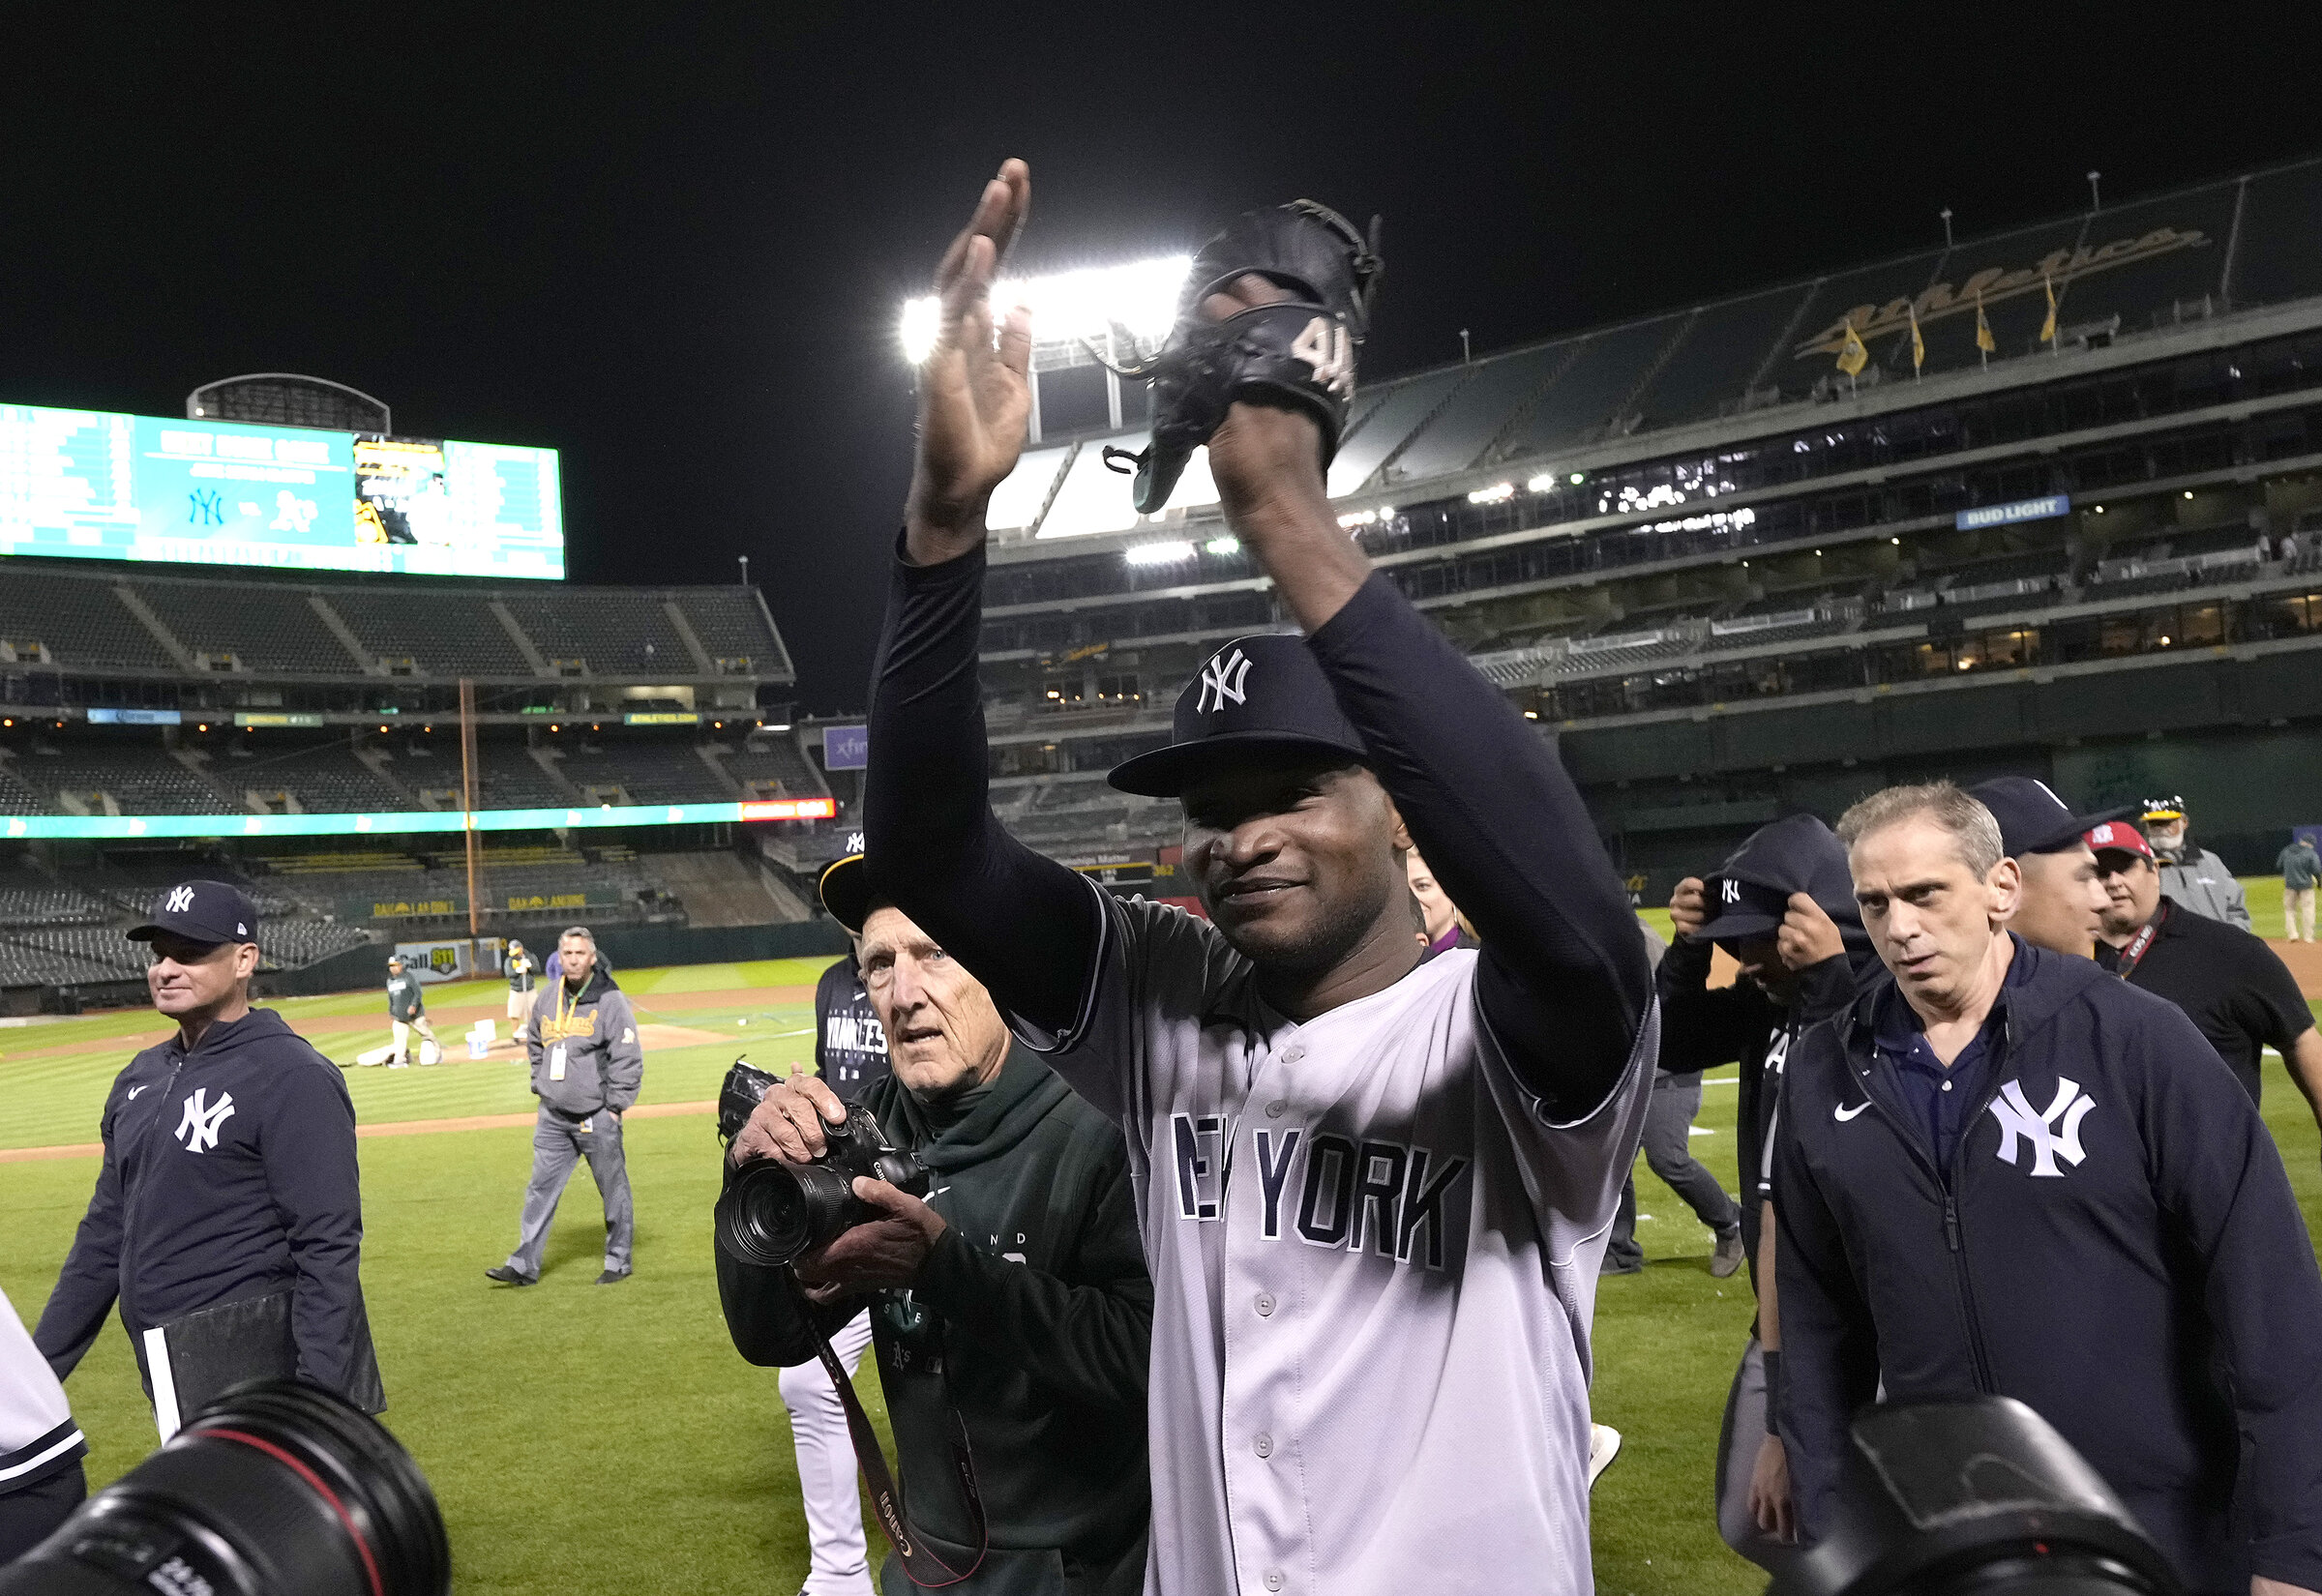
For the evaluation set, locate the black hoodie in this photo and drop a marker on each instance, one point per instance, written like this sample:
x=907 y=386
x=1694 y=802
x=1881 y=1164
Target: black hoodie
x=230 y=1172
x=1704 y=1027
x=1037 y=1290
x=2115 y=1243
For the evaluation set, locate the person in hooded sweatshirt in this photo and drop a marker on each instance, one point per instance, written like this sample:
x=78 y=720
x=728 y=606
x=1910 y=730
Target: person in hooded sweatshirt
x=1782 y=906
x=2003 y=1171
x=228 y=1220
x=587 y=1068
x=1016 y=1294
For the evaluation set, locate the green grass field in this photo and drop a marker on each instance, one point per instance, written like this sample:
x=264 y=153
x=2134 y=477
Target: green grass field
x=586 y=1440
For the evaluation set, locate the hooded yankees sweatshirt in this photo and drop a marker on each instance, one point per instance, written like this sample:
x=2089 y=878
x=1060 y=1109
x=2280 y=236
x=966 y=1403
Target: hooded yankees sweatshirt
x=2113 y=1241
x=230 y=1172
x=1033 y=1314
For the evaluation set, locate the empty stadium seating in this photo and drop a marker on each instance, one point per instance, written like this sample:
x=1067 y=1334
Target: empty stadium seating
x=442 y=634
x=262 y=627
x=79 y=619
x=141 y=779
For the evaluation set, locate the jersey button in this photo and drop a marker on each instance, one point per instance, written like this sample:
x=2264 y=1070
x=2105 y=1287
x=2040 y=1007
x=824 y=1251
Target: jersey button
x=1276 y=1108
x=1264 y=1304
x=1264 y=1445
x=1273 y=1579
x=1293 y=1053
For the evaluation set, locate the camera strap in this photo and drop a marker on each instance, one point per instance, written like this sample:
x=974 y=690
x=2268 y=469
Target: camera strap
x=919 y=1561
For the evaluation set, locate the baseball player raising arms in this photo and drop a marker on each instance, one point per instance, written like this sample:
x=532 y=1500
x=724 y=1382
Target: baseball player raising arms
x=1373 y=1191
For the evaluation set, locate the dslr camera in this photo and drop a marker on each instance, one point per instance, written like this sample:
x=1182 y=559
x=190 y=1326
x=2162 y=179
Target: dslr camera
x=772 y=1210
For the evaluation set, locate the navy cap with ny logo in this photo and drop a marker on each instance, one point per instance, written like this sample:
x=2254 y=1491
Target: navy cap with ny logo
x=1258 y=698
x=201 y=911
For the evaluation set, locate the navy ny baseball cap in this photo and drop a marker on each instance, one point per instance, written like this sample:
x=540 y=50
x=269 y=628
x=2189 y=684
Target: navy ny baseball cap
x=201 y=911
x=1256 y=696
x=1750 y=893
x=2033 y=819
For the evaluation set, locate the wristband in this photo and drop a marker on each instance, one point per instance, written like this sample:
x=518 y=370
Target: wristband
x=1774 y=1388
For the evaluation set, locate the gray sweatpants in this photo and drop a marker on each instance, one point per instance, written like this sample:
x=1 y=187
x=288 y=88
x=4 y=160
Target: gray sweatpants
x=1668 y=1154
x=559 y=1143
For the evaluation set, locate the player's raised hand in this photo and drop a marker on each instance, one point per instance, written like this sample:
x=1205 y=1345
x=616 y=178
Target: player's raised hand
x=974 y=395
x=1689 y=906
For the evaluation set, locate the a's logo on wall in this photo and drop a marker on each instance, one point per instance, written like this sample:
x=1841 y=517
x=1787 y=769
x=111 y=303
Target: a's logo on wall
x=1227 y=676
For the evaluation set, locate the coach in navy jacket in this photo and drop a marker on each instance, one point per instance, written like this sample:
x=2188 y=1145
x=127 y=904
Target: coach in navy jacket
x=229 y=1167
x=2079 y=1209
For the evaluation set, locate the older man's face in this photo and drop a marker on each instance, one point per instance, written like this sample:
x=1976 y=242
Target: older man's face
x=579 y=955
x=944 y=1034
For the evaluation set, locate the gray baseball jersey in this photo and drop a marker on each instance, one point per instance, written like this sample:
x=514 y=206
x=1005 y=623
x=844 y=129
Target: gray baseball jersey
x=1374 y=1267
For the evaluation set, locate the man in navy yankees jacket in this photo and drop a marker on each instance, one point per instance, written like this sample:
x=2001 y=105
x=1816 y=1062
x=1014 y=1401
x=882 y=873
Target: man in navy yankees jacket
x=2002 y=1169
x=228 y=1219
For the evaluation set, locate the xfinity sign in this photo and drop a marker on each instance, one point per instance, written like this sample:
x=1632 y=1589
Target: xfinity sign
x=2022 y=509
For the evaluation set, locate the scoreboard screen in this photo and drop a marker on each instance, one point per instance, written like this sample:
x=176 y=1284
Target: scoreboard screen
x=95 y=485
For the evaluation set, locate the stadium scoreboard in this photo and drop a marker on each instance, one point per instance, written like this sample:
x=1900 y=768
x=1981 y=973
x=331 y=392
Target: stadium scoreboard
x=97 y=484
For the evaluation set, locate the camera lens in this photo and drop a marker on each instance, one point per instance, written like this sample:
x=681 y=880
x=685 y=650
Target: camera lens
x=275 y=1488
x=774 y=1211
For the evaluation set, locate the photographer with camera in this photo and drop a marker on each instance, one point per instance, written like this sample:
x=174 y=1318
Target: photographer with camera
x=1009 y=1304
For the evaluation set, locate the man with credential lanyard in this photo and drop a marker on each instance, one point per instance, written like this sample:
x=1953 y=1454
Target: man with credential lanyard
x=2229 y=983
x=1373 y=1188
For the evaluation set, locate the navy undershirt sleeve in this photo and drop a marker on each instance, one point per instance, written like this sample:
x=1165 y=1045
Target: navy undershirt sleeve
x=1563 y=978
x=1025 y=926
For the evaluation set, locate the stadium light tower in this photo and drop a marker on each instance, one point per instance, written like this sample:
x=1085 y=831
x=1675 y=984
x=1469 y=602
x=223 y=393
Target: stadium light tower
x=1094 y=306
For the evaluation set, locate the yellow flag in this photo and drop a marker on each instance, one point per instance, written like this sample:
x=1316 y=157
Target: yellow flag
x=2047 y=328
x=1984 y=339
x=1852 y=356
x=1918 y=345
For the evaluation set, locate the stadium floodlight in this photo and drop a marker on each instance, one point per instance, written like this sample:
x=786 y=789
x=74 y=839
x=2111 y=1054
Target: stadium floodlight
x=1542 y=482
x=1500 y=493
x=1137 y=296
x=1160 y=553
x=1223 y=545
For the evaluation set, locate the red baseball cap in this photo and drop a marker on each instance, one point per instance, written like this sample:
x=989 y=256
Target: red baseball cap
x=2118 y=837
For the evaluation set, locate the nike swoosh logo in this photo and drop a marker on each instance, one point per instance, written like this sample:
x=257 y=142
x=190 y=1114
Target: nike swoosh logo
x=133 y=1091
x=1842 y=1115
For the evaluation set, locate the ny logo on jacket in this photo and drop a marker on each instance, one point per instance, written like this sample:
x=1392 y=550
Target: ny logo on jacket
x=2052 y=1131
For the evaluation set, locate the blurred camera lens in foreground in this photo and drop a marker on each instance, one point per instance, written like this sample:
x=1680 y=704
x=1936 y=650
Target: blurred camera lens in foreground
x=275 y=1488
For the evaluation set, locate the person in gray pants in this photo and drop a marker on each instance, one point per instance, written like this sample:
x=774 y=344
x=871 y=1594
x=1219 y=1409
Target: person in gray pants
x=586 y=1070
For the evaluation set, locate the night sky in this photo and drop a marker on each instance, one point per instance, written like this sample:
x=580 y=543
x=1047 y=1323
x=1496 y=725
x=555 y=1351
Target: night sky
x=674 y=249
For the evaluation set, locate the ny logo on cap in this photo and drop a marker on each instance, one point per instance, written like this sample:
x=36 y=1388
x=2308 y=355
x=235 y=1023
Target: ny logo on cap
x=180 y=899
x=1732 y=890
x=1227 y=676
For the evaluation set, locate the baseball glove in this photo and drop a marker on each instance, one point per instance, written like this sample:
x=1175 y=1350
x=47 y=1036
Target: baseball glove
x=1298 y=352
